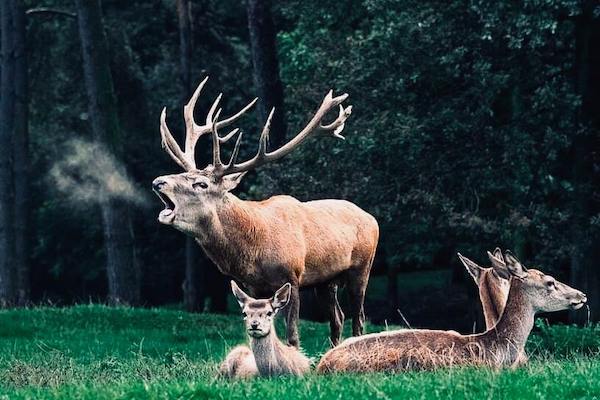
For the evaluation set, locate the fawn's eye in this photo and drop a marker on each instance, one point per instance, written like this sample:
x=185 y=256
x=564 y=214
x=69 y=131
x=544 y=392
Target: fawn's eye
x=200 y=185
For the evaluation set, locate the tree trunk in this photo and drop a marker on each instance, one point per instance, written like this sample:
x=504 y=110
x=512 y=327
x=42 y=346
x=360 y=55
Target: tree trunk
x=193 y=299
x=266 y=68
x=585 y=275
x=7 y=107
x=122 y=269
x=21 y=160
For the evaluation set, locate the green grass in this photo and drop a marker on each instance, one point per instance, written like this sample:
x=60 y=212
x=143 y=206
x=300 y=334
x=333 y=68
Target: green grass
x=95 y=352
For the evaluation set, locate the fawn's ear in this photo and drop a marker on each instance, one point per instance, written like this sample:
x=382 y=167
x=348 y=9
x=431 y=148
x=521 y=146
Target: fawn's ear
x=239 y=294
x=514 y=265
x=499 y=266
x=473 y=269
x=281 y=296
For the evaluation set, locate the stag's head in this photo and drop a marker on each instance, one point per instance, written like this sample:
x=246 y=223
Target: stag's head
x=259 y=313
x=194 y=195
x=544 y=292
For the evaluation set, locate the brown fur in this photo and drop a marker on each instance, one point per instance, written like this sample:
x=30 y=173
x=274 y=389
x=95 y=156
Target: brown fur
x=267 y=356
x=428 y=349
x=264 y=244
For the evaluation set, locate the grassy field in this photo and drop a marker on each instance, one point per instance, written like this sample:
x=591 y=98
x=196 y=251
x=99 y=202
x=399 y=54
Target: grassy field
x=95 y=352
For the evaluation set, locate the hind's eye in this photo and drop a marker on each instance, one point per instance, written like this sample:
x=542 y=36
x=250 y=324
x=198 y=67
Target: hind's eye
x=244 y=315
x=269 y=313
x=200 y=185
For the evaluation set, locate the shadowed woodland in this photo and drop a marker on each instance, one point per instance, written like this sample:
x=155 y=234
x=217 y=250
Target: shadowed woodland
x=475 y=124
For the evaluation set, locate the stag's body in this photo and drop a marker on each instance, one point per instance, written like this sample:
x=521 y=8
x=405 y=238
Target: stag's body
x=264 y=244
x=266 y=356
x=500 y=346
x=267 y=243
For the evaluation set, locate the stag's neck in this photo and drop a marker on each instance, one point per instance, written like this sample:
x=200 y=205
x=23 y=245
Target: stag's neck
x=508 y=337
x=267 y=353
x=227 y=232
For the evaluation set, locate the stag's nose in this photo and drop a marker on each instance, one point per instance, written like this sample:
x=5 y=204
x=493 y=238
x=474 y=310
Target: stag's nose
x=158 y=183
x=254 y=325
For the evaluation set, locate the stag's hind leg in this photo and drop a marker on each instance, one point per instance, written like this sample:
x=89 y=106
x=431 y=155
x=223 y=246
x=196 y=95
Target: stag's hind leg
x=357 y=279
x=328 y=294
x=291 y=321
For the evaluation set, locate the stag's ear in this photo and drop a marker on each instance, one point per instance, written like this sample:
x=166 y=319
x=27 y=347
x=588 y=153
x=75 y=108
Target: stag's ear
x=281 y=296
x=499 y=266
x=498 y=254
x=473 y=269
x=514 y=265
x=239 y=294
x=230 y=182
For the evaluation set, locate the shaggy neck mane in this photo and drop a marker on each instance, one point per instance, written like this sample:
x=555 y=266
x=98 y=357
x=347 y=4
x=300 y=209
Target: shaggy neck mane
x=230 y=233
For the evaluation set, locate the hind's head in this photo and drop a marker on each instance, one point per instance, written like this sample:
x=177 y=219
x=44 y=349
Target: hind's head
x=544 y=292
x=259 y=313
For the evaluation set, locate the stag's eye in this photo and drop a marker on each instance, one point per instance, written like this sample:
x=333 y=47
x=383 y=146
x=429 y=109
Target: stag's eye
x=200 y=185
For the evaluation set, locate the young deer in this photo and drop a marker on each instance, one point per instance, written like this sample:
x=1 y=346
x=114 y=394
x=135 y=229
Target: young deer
x=530 y=292
x=267 y=356
x=264 y=244
x=493 y=289
x=493 y=292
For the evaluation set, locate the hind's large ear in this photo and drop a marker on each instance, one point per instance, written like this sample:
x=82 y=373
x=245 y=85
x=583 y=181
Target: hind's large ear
x=230 y=182
x=499 y=266
x=514 y=265
x=241 y=297
x=473 y=269
x=282 y=296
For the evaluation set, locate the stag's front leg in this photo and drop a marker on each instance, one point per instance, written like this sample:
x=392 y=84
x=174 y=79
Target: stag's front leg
x=293 y=309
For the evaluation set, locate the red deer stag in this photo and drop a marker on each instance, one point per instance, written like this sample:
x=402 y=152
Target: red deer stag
x=531 y=292
x=264 y=244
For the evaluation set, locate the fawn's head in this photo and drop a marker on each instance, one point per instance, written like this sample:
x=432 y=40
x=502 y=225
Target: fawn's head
x=544 y=292
x=259 y=313
x=192 y=196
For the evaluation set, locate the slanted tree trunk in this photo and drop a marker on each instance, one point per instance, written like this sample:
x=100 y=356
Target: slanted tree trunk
x=266 y=68
x=21 y=159
x=122 y=269
x=193 y=298
x=585 y=274
x=7 y=107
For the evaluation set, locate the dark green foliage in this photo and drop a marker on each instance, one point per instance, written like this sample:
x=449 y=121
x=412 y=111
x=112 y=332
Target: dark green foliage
x=466 y=127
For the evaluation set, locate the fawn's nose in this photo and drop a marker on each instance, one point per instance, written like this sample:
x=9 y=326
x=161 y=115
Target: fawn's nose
x=158 y=183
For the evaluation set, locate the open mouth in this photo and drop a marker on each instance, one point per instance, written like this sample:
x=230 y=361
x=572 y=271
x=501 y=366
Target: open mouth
x=168 y=214
x=576 y=305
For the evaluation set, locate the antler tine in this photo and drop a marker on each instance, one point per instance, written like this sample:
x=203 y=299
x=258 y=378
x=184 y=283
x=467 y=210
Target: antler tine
x=217 y=163
x=171 y=146
x=314 y=125
x=186 y=159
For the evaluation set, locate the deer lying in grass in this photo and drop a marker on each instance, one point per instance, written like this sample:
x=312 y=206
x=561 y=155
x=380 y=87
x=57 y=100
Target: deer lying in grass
x=493 y=292
x=267 y=356
x=493 y=289
x=264 y=244
x=530 y=292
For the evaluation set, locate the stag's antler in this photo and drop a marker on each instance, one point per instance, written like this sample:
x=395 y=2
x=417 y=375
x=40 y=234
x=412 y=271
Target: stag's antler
x=193 y=131
x=262 y=156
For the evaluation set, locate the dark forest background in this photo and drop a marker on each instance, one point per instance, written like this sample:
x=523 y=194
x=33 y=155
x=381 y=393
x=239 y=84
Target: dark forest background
x=475 y=125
